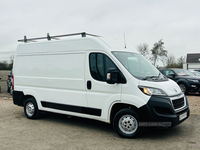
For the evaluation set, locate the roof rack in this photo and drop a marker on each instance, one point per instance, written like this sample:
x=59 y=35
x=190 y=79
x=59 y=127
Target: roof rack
x=48 y=37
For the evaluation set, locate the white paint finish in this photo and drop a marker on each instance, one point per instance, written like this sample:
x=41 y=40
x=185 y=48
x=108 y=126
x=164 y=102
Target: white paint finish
x=65 y=78
x=68 y=45
x=170 y=87
x=65 y=66
x=31 y=48
x=102 y=94
x=131 y=94
x=58 y=71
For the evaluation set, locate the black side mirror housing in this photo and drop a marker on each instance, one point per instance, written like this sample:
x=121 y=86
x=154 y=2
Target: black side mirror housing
x=115 y=76
x=172 y=75
x=112 y=76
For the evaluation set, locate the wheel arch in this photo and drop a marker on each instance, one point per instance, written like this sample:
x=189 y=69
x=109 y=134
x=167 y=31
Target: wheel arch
x=183 y=81
x=119 y=106
x=27 y=97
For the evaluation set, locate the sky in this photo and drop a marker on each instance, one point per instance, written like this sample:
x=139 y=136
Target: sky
x=176 y=22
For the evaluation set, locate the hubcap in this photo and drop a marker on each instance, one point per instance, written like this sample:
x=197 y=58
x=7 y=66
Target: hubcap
x=128 y=124
x=30 y=109
x=182 y=87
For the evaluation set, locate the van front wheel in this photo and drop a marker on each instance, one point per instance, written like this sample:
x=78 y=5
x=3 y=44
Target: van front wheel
x=31 y=109
x=126 y=123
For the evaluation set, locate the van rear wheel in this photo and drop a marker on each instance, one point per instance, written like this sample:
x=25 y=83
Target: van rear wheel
x=31 y=109
x=126 y=123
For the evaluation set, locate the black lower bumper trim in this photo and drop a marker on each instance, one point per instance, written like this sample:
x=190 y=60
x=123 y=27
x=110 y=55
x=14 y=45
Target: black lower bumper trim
x=160 y=109
x=18 y=97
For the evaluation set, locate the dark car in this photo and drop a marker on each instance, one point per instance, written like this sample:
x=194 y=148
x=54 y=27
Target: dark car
x=196 y=73
x=197 y=70
x=187 y=81
x=9 y=83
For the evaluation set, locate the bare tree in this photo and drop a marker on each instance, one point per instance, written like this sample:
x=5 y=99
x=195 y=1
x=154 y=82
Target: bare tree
x=158 y=52
x=143 y=49
x=180 y=61
x=170 y=61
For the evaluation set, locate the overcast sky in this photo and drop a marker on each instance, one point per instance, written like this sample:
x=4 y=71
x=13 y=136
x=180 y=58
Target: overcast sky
x=177 y=22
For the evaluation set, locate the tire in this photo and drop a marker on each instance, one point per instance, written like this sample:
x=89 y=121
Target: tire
x=183 y=87
x=126 y=123
x=11 y=90
x=8 y=88
x=31 y=109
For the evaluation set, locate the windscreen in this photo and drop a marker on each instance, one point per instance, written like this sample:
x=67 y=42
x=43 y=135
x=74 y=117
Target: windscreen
x=182 y=72
x=137 y=65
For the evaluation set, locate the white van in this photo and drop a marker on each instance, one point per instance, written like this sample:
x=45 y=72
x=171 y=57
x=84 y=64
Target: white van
x=98 y=78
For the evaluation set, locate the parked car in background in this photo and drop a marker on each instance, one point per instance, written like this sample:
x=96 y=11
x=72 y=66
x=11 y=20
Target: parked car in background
x=186 y=80
x=197 y=70
x=10 y=83
x=196 y=73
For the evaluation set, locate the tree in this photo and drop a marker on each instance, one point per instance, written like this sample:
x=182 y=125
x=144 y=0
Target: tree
x=10 y=65
x=180 y=61
x=143 y=49
x=158 y=52
x=170 y=61
x=5 y=65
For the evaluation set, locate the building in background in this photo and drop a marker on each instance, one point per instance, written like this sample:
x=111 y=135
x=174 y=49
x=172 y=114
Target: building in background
x=192 y=61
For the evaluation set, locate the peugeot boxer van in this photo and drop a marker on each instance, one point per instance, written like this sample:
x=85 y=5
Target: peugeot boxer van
x=93 y=77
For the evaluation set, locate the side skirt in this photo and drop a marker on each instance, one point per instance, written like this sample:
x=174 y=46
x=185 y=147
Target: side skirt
x=71 y=108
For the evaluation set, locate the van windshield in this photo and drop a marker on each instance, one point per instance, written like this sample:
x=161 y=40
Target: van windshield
x=138 y=66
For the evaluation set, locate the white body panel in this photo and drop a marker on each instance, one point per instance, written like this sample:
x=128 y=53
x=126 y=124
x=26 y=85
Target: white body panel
x=58 y=71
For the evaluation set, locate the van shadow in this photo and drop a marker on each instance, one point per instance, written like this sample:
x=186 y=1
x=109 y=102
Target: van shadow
x=102 y=127
x=77 y=122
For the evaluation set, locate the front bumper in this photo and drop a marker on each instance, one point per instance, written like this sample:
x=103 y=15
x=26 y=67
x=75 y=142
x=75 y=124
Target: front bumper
x=194 y=87
x=173 y=110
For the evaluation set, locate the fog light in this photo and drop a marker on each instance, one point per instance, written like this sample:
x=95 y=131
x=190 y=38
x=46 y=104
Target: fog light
x=193 y=86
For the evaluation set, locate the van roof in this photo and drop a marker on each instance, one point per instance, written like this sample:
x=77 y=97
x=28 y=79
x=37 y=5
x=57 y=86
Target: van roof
x=93 y=42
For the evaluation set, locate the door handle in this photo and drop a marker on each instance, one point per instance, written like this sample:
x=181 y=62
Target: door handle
x=89 y=85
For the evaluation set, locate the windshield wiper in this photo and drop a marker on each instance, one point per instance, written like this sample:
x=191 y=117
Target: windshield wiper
x=150 y=77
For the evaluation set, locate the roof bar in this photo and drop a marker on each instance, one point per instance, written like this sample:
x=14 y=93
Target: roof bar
x=48 y=37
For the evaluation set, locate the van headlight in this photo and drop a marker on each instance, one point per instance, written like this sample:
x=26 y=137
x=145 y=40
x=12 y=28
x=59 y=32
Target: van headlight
x=152 y=91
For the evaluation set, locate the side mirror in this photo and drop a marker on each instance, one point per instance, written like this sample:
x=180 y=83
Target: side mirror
x=172 y=75
x=112 y=76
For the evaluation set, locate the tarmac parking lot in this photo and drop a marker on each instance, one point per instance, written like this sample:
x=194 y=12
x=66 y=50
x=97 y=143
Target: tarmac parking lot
x=54 y=131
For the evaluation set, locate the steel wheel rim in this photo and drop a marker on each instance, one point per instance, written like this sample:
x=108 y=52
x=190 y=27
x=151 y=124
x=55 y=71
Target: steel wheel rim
x=30 y=109
x=182 y=87
x=128 y=124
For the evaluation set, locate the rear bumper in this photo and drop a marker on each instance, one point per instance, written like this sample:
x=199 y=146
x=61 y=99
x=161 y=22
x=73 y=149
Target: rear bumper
x=165 y=111
x=18 y=97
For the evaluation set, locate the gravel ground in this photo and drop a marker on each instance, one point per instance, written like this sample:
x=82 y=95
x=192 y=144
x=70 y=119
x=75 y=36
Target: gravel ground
x=54 y=131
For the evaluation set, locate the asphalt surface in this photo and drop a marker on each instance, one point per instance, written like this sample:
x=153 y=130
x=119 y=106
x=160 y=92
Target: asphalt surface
x=55 y=131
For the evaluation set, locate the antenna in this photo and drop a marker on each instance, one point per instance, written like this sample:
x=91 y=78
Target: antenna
x=124 y=41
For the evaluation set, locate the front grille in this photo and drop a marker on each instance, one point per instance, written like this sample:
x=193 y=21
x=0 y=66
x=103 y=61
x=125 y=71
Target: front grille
x=178 y=103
